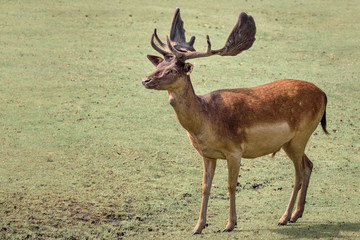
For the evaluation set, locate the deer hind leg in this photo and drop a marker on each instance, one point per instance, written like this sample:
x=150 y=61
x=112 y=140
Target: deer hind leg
x=295 y=151
x=208 y=175
x=300 y=206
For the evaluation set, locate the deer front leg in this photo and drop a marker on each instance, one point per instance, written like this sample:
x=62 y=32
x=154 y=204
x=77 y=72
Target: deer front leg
x=233 y=173
x=208 y=175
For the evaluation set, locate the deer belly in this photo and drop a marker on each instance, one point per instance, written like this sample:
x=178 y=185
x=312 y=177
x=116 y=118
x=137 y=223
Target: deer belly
x=265 y=139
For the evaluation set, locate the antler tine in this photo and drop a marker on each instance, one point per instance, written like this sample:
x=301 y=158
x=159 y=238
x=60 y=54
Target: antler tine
x=158 y=39
x=161 y=51
x=196 y=54
x=208 y=48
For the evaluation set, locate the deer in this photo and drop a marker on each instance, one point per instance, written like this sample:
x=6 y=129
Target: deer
x=232 y=124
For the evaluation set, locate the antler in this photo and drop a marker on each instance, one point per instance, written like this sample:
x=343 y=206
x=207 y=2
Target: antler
x=177 y=37
x=177 y=34
x=240 y=39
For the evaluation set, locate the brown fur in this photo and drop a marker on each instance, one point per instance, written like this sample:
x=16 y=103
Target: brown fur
x=284 y=100
x=244 y=123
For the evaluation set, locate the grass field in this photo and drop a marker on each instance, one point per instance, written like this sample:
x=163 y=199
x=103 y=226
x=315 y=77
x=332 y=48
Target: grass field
x=86 y=152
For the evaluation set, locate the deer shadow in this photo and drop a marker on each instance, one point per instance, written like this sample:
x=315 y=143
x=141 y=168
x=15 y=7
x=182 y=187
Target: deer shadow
x=326 y=230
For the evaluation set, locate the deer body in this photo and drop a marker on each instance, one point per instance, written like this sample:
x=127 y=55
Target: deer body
x=232 y=124
x=250 y=121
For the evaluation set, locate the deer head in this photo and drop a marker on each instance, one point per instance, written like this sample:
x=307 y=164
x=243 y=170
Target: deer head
x=172 y=71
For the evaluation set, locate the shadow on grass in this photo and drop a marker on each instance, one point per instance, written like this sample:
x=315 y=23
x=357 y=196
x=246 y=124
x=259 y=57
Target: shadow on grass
x=308 y=230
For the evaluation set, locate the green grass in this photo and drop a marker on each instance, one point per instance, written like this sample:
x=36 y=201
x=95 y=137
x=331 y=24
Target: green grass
x=87 y=152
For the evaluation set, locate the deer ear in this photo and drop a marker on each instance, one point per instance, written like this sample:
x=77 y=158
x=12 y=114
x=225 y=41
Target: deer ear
x=188 y=68
x=155 y=59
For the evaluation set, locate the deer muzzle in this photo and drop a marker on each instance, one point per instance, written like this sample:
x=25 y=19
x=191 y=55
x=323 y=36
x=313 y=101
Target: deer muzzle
x=148 y=83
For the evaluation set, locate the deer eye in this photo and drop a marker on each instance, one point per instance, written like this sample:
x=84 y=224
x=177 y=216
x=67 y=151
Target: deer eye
x=168 y=58
x=171 y=71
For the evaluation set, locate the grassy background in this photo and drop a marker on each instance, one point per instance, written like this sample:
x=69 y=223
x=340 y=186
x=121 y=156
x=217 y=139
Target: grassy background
x=87 y=152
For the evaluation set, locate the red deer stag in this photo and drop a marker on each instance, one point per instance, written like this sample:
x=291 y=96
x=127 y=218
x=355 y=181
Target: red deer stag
x=238 y=123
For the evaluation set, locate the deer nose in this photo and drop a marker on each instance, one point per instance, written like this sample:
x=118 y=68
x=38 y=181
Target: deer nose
x=146 y=81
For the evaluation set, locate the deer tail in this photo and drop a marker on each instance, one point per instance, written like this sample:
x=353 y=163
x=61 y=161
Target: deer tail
x=323 y=119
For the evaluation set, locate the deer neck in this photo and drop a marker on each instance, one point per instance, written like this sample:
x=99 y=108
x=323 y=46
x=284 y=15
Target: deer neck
x=187 y=106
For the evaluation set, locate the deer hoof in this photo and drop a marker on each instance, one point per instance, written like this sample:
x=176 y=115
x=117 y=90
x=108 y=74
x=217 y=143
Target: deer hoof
x=295 y=216
x=195 y=233
x=230 y=226
x=284 y=220
x=282 y=223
